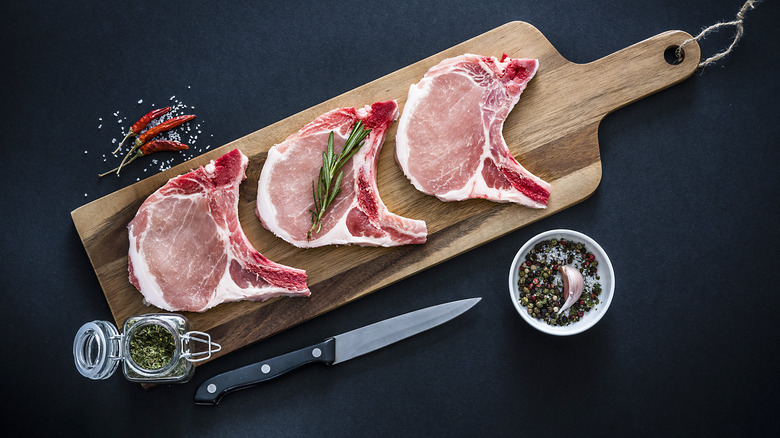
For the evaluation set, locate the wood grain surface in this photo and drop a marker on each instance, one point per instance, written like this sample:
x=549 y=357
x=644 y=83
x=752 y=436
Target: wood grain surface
x=553 y=132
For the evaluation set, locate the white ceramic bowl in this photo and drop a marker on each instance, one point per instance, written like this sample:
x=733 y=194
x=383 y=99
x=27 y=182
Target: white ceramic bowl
x=605 y=272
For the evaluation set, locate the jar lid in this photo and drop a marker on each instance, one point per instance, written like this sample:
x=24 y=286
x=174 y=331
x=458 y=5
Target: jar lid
x=96 y=349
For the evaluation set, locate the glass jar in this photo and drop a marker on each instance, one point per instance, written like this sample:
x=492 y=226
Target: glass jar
x=161 y=339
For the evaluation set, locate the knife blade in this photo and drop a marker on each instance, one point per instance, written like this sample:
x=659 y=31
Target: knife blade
x=333 y=350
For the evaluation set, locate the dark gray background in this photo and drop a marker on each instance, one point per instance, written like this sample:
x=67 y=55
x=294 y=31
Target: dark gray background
x=686 y=210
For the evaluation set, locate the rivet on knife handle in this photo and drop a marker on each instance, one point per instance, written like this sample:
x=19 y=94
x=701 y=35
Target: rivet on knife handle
x=212 y=390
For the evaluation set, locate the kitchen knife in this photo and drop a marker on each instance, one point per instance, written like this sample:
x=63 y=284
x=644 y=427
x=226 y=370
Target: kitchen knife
x=333 y=350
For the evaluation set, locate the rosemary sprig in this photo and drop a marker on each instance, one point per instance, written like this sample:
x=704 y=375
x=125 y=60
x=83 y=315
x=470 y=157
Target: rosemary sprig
x=325 y=189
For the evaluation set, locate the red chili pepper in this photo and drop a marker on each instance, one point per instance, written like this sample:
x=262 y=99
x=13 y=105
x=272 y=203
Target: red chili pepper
x=150 y=148
x=143 y=121
x=162 y=127
x=141 y=124
x=161 y=145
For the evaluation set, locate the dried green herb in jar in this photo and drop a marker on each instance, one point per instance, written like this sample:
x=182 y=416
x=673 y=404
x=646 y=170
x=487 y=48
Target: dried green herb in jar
x=152 y=347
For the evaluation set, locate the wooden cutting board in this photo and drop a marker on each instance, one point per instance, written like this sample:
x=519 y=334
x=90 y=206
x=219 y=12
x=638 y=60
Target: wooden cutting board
x=553 y=132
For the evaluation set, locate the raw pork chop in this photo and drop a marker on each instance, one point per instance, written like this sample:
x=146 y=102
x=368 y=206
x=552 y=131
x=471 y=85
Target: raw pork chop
x=188 y=251
x=357 y=215
x=449 y=142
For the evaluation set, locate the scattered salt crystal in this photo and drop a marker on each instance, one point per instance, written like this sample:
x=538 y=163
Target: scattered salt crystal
x=85 y=152
x=140 y=101
x=113 y=140
x=85 y=195
x=100 y=126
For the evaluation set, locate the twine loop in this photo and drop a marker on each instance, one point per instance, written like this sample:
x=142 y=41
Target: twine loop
x=738 y=23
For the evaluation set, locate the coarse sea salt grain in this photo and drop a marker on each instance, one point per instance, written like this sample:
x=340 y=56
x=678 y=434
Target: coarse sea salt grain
x=140 y=101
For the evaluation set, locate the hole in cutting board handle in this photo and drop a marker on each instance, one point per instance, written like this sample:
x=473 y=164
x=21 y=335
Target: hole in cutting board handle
x=670 y=55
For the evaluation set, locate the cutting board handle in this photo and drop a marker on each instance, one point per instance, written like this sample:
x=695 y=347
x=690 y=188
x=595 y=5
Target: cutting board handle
x=637 y=71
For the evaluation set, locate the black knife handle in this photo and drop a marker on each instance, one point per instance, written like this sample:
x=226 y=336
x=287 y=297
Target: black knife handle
x=213 y=389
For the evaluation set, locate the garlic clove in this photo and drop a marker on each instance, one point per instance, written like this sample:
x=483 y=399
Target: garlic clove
x=573 y=285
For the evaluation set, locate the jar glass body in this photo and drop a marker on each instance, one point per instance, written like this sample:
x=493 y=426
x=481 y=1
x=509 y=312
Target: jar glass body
x=178 y=368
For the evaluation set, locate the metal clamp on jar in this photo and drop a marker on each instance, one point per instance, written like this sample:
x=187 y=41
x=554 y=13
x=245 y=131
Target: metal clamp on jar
x=155 y=348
